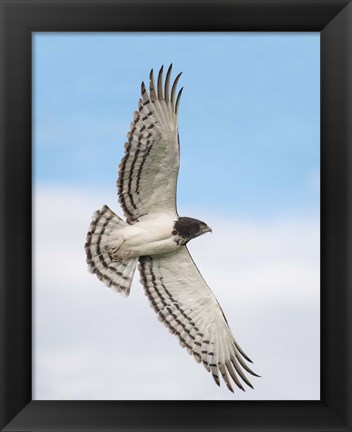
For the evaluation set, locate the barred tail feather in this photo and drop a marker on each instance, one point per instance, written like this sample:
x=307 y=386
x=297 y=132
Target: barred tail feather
x=102 y=259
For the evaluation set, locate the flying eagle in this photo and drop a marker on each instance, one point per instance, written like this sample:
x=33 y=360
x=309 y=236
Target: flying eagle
x=156 y=236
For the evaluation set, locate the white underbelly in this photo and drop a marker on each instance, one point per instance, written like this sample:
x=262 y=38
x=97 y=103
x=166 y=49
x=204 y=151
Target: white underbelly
x=151 y=248
x=148 y=237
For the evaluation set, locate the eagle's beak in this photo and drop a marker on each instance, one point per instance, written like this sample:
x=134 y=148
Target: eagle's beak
x=208 y=229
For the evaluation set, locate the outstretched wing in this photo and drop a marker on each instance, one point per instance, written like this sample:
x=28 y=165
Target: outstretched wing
x=148 y=171
x=186 y=305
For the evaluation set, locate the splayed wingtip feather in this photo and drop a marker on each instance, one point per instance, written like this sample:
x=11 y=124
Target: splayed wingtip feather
x=153 y=96
x=178 y=100
x=160 y=83
x=167 y=84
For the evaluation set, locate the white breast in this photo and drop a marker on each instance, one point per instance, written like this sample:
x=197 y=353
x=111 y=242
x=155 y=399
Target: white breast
x=151 y=236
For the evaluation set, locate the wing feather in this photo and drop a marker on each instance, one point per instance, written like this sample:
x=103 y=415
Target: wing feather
x=167 y=84
x=185 y=304
x=160 y=84
x=148 y=171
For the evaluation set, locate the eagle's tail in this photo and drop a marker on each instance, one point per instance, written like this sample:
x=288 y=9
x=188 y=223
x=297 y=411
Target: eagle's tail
x=102 y=257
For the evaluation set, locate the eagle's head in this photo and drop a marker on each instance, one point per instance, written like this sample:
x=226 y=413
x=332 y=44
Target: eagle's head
x=186 y=228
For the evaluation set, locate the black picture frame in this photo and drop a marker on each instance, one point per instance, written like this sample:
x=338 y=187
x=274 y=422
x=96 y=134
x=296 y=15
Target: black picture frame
x=332 y=18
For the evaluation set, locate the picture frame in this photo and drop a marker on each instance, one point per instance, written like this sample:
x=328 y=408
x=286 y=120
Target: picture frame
x=332 y=18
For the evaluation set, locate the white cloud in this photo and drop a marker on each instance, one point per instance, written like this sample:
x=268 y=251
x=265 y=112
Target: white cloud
x=90 y=343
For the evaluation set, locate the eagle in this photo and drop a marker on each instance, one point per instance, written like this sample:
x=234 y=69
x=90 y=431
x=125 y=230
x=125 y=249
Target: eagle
x=155 y=237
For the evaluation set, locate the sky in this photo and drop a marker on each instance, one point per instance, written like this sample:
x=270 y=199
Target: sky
x=249 y=132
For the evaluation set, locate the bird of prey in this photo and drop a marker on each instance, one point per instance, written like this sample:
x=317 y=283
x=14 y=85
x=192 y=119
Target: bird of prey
x=156 y=237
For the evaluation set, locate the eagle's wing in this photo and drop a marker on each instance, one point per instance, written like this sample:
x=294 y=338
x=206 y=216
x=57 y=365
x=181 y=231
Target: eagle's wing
x=186 y=305
x=148 y=171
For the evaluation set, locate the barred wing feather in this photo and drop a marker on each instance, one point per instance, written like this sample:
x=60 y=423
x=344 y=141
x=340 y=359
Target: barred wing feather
x=148 y=171
x=187 y=306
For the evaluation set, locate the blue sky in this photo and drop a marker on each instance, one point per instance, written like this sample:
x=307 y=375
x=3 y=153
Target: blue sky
x=249 y=115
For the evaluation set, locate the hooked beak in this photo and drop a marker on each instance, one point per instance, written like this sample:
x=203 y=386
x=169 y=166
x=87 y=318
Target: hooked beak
x=205 y=230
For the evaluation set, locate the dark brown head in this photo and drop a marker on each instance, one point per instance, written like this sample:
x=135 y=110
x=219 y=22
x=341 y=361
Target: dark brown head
x=187 y=228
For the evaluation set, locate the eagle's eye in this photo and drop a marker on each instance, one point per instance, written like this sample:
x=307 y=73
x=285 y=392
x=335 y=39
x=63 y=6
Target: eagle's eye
x=202 y=226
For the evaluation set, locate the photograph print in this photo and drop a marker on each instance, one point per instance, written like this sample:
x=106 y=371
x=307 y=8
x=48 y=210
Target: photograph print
x=129 y=175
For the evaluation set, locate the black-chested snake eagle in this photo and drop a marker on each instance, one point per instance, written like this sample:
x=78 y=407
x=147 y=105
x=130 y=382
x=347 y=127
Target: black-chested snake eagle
x=156 y=237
